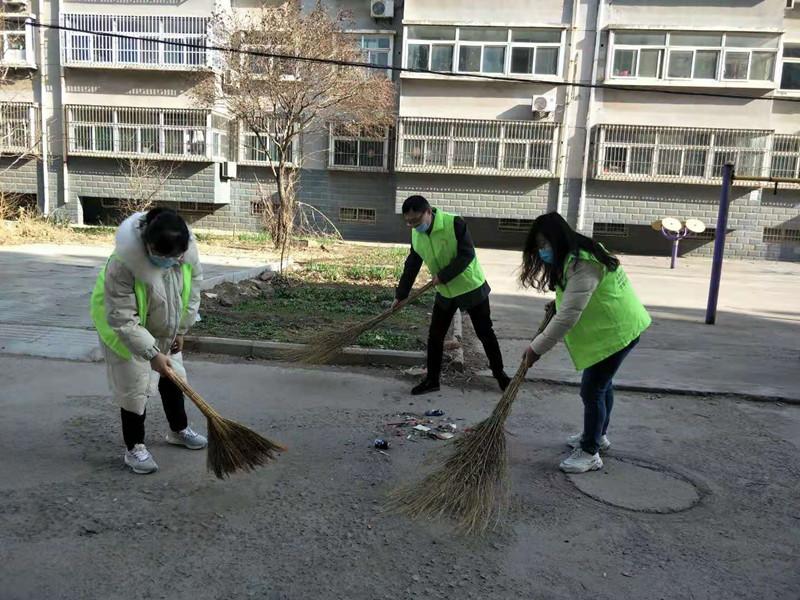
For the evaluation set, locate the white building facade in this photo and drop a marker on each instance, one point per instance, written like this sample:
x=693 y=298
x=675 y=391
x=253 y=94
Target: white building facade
x=620 y=112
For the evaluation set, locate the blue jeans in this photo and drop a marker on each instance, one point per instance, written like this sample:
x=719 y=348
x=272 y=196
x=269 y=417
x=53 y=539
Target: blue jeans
x=597 y=393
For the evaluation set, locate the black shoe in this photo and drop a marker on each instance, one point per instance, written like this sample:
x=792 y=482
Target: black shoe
x=425 y=387
x=503 y=380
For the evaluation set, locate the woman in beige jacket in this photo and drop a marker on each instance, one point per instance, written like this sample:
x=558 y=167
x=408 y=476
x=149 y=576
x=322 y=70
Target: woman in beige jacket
x=145 y=300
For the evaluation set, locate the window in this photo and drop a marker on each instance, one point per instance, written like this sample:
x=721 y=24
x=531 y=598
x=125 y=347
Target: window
x=489 y=50
x=377 y=50
x=476 y=146
x=786 y=157
x=693 y=56
x=708 y=234
x=636 y=153
x=610 y=229
x=514 y=225
x=13 y=42
x=782 y=236
x=18 y=127
x=790 y=77
x=355 y=148
x=357 y=215
x=131 y=131
x=98 y=49
x=261 y=148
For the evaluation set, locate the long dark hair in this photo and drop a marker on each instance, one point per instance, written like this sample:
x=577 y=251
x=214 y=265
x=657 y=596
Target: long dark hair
x=165 y=232
x=565 y=241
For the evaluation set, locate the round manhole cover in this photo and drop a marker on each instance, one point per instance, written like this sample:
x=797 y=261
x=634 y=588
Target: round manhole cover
x=637 y=486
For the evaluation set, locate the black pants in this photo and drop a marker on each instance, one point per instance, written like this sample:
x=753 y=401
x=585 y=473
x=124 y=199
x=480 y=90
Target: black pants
x=597 y=393
x=480 y=316
x=171 y=400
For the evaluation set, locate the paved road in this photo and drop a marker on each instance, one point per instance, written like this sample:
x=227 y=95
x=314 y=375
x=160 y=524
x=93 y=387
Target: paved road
x=75 y=524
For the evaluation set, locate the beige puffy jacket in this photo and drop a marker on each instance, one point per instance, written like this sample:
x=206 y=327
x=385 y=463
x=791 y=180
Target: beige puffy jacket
x=132 y=380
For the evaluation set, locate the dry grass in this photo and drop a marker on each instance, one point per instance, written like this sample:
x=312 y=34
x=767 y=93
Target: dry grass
x=231 y=447
x=471 y=486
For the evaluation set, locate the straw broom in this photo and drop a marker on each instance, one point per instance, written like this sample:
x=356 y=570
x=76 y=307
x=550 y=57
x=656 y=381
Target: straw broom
x=326 y=346
x=231 y=447
x=471 y=484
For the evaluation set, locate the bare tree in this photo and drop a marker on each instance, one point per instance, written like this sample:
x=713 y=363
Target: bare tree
x=145 y=179
x=277 y=100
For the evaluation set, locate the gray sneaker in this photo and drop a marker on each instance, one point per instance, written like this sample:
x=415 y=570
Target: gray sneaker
x=574 y=441
x=188 y=438
x=140 y=460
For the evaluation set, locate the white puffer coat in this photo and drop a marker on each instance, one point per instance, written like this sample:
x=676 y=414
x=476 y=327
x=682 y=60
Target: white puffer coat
x=132 y=381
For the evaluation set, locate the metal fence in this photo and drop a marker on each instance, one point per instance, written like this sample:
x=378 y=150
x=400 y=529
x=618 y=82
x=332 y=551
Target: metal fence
x=187 y=134
x=19 y=126
x=479 y=147
x=81 y=48
x=686 y=155
x=786 y=157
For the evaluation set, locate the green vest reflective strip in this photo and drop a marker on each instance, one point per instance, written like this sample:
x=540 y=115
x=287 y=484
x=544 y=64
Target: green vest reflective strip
x=438 y=248
x=612 y=319
x=97 y=307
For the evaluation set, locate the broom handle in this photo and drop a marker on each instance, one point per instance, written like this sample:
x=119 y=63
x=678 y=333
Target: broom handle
x=549 y=313
x=201 y=404
x=412 y=298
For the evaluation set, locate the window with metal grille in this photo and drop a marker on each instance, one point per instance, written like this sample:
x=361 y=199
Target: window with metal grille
x=18 y=127
x=262 y=149
x=147 y=132
x=514 y=225
x=256 y=208
x=781 y=235
x=476 y=147
x=692 y=55
x=688 y=155
x=16 y=43
x=95 y=49
x=709 y=234
x=357 y=215
x=610 y=229
x=786 y=156
x=358 y=149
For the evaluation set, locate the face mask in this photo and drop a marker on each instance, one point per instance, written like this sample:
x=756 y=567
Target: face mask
x=163 y=262
x=423 y=227
x=546 y=254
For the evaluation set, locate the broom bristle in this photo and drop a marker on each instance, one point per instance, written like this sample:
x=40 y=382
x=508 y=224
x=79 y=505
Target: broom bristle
x=470 y=486
x=233 y=447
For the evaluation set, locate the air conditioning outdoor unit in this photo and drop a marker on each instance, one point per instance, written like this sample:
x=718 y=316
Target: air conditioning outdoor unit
x=227 y=170
x=381 y=9
x=544 y=103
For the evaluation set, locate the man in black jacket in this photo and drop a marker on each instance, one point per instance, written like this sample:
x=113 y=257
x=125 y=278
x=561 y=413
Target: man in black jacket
x=461 y=272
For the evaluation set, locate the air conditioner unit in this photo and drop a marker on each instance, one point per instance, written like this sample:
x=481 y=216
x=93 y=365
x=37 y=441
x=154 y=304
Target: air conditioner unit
x=227 y=170
x=381 y=9
x=544 y=103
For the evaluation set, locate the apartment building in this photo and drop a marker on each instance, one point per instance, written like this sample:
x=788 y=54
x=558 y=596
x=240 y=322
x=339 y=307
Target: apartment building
x=591 y=126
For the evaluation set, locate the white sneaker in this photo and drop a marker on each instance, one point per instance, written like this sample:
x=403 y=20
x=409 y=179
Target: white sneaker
x=187 y=438
x=580 y=462
x=140 y=460
x=574 y=441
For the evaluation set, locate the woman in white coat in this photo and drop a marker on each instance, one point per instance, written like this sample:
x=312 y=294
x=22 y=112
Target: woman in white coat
x=145 y=299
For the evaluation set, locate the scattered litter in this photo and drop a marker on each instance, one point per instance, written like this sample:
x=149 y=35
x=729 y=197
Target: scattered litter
x=209 y=295
x=422 y=428
x=384 y=453
x=411 y=426
x=443 y=435
x=381 y=444
x=626 y=574
x=434 y=413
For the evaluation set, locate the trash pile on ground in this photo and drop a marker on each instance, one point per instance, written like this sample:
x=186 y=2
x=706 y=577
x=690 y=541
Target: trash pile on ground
x=413 y=427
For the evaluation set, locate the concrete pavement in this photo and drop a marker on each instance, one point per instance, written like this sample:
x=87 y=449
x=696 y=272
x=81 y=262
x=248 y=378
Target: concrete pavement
x=754 y=349
x=45 y=296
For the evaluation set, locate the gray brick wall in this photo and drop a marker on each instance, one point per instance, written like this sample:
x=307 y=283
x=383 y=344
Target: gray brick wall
x=486 y=197
x=751 y=210
x=19 y=175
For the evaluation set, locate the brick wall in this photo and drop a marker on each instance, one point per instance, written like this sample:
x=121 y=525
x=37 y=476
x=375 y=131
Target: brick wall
x=19 y=175
x=486 y=197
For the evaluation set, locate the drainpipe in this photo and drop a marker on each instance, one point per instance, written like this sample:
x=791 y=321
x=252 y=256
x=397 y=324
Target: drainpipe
x=64 y=129
x=43 y=142
x=599 y=19
x=568 y=98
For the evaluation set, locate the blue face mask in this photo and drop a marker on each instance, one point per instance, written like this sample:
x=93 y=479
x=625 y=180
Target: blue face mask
x=546 y=254
x=163 y=262
x=422 y=227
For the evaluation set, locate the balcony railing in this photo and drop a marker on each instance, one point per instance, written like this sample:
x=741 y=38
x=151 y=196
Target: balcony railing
x=83 y=49
x=677 y=154
x=19 y=127
x=785 y=161
x=182 y=134
x=476 y=147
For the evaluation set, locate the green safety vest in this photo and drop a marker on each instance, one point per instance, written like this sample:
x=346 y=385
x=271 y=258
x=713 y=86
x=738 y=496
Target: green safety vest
x=438 y=248
x=612 y=319
x=97 y=307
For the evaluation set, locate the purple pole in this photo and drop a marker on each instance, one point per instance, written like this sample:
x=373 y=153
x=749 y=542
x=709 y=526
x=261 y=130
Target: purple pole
x=719 y=244
x=675 y=243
